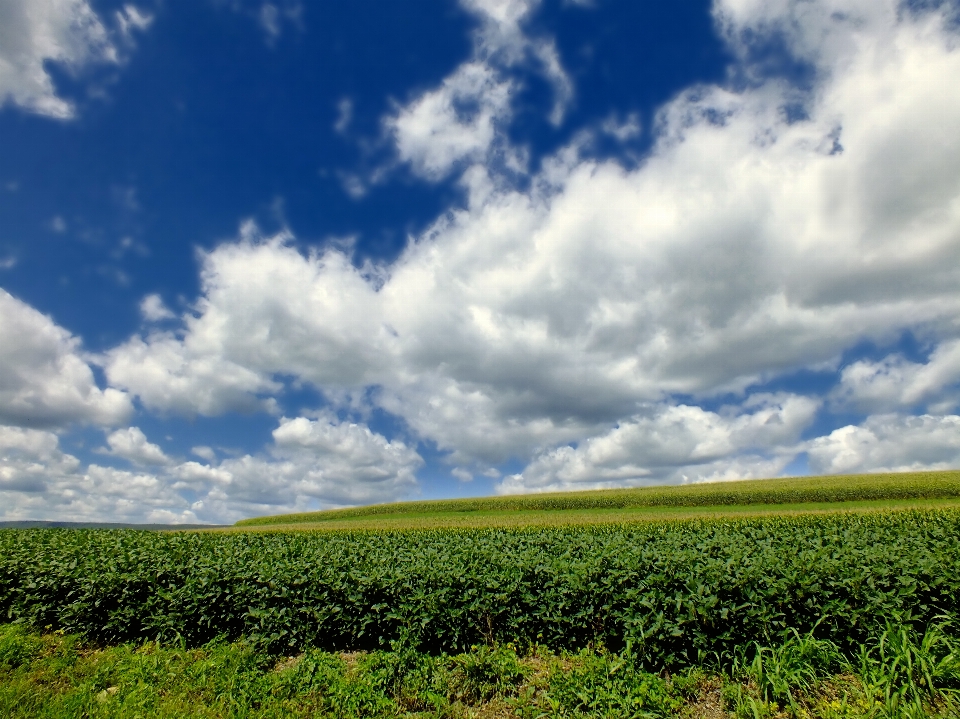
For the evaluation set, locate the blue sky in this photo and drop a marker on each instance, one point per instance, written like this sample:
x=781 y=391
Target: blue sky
x=260 y=257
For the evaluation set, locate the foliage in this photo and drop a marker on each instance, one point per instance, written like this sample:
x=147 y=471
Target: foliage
x=608 y=685
x=910 y=671
x=799 y=663
x=864 y=487
x=674 y=593
x=61 y=677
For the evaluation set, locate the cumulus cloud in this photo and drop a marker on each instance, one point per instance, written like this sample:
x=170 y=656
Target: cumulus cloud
x=153 y=309
x=30 y=459
x=311 y=463
x=889 y=442
x=67 y=32
x=676 y=443
x=44 y=380
x=132 y=444
x=896 y=383
x=748 y=245
x=463 y=120
x=40 y=481
x=454 y=123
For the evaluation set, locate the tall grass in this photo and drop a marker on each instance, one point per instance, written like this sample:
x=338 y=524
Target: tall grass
x=913 y=672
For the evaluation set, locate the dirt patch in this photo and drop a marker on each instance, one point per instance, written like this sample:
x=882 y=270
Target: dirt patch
x=709 y=702
x=285 y=663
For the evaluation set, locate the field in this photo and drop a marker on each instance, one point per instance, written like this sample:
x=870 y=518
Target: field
x=821 y=597
x=721 y=499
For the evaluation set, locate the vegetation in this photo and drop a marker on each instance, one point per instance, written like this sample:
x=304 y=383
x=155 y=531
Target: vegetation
x=518 y=519
x=898 y=674
x=803 y=490
x=672 y=592
x=839 y=614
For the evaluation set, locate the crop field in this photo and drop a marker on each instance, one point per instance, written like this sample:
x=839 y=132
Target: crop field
x=719 y=499
x=807 y=612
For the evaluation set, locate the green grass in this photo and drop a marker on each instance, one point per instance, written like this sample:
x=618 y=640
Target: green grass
x=898 y=673
x=520 y=509
x=521 y=518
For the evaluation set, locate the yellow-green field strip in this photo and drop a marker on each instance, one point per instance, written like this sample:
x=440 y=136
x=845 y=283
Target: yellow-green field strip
x=541 y=518
x=647 y=502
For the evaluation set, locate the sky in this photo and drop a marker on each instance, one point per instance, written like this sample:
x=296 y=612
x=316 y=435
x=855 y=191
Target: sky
x=265 y=256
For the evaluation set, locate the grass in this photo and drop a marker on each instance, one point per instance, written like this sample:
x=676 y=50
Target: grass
x=552 y=518
x=903 y=672
x=720 y=499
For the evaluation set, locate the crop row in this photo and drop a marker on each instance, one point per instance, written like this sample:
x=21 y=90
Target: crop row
x=674 y=592
x=866 y=487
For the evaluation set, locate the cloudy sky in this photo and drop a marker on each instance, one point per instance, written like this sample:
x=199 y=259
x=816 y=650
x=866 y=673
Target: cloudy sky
x=267 y=256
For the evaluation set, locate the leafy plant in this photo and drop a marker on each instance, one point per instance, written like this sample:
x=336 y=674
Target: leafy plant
x=671 y=592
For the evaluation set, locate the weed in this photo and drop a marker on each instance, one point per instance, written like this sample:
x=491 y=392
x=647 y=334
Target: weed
x=17 y=646
x=913 y=674
x=609 y=685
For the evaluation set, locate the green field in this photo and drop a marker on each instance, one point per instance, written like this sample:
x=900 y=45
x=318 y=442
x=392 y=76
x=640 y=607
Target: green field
x=759 y=497
x=815 y=597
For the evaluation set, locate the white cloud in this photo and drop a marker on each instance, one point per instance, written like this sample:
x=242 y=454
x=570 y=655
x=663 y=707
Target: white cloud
x=153 y=309
x=170 y=375
x=131 y=19
x=889 y=442
x=463 y=120
x=896 y=383
x=132 y=444
x=39 y=481
x=44 y=382
x=321 y=462
x=746 y=246
x=676 y=443
x=30 y=459
x=454 y=123
x=205 y=452
x=273 y=18
x=68 y=32
x=311 y=463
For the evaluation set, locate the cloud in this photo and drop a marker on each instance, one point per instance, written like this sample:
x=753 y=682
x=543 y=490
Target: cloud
x=153 y=309
x=131 y=19
x=676 y=443
x=454 y=123
x=29 y=458
x=204 y=452
x=575 y=325
x=463 y=121
x=44 y=381
x=67 y=32
x=889 y=443
x=132 y=444
x=896 y=383
x=311 y=463
x=344 y=115
x=274 y=15
x=169 y=375
x=40 y=481
x=745 y=247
